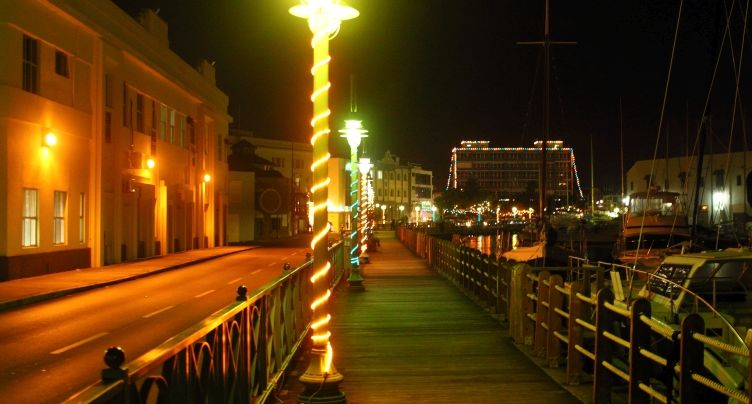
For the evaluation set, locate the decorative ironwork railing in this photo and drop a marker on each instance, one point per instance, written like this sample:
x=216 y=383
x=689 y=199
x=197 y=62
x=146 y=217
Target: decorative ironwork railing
x=238 y=354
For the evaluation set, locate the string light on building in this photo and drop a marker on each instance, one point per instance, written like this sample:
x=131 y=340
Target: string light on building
x=321 y=379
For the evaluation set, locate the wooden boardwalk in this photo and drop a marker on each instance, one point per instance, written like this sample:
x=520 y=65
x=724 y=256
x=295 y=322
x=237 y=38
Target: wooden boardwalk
x=412 y=337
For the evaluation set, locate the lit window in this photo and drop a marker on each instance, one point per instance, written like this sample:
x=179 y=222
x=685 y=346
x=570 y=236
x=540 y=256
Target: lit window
x=380 y=175
x=61 y=64
x=58 y=228
x=82 y=218
x=30 y=65
x=30 y=225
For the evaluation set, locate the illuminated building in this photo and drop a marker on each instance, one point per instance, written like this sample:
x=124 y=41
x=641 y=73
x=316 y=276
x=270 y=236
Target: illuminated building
x=396 y=184
x=134 y=164
x=726 y=185
x=514 y=171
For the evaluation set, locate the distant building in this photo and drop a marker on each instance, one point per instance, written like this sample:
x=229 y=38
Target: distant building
x=269 y=184
x=112 y=147
x=514 y=171
x=726 y=184
x=402 y=185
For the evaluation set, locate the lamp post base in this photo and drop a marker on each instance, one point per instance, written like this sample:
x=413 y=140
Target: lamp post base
x=320 y=387
x=364 y=259
x=355 y=280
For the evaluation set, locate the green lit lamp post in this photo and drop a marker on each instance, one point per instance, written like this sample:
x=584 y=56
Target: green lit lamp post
x=354 y=132
x=321 y=379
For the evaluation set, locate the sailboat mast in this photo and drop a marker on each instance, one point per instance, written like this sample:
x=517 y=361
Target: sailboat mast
x=546 y=118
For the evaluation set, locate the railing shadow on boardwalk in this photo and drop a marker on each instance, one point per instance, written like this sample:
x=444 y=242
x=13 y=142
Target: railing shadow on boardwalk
x=570 y=320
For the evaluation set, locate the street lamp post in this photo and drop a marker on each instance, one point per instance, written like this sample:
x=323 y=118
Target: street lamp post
x=364 y=166
x=354 y=132
x=417 y=215
x=321 y=379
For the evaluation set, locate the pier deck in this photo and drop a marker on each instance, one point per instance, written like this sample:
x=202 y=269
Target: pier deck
x=412 y=337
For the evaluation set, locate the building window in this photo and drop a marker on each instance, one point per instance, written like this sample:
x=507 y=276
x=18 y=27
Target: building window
x=163 y=122
x=172 y=126
x=140 y=113
x=181 y=133
x=58 y=228
x=61 y=63
x=126 y=118
x=380 y=175
x=153 y=117
x=107 y=127
x=738 y=180
x=82 y=218
x=30 y=225
x=30 y=65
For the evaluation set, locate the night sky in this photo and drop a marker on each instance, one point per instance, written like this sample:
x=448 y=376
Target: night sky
x=430 y=73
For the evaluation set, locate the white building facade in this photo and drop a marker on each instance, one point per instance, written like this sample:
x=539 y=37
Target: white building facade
x=112 y=147
x=725 y=184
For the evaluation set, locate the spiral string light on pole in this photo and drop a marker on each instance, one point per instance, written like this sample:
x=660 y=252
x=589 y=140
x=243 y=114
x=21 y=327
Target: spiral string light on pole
x=364 y=166
x=354 y=132
x=321 y=379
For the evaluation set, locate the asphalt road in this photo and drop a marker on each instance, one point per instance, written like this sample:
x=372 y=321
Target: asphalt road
x=53 y=349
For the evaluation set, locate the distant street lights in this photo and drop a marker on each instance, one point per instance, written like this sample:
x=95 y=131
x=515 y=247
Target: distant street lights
x=354 y=132
x=321 y=379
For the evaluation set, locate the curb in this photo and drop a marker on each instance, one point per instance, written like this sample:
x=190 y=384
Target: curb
x=40 y=297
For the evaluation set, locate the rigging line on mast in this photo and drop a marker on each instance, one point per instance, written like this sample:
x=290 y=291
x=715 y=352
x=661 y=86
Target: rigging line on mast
x=558 y=92
x=530 y=99
x=660 y=125
x=737 y=77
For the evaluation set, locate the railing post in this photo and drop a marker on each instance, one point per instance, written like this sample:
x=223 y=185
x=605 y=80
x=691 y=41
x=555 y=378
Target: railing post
x=604 y=321
x=555 y=301
x=529 y=306
x=691 y=358
x=639 y=365
x=575 y=333
x=541 y=315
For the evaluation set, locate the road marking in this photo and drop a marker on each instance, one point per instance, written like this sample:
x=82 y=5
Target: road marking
x=79 y=343
x=233 y=281
x=158 y=311
x=255 y=272
x=205 y=293
x=273 y=263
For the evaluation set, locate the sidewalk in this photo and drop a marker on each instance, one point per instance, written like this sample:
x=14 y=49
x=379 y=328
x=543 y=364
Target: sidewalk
x=19 y=292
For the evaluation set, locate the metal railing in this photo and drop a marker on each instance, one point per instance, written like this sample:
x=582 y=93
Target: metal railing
x=238 y=354
x=571 y=316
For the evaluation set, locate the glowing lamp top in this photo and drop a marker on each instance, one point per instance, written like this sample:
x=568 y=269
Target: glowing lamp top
x=364 y=165
x=353 y=132
x=324 y=15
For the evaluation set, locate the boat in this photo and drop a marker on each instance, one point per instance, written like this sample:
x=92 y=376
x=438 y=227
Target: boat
x=655 y=225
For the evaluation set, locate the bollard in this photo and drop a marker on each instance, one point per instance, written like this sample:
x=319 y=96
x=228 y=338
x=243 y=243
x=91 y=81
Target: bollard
x=242 y=293
x=114 y=357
